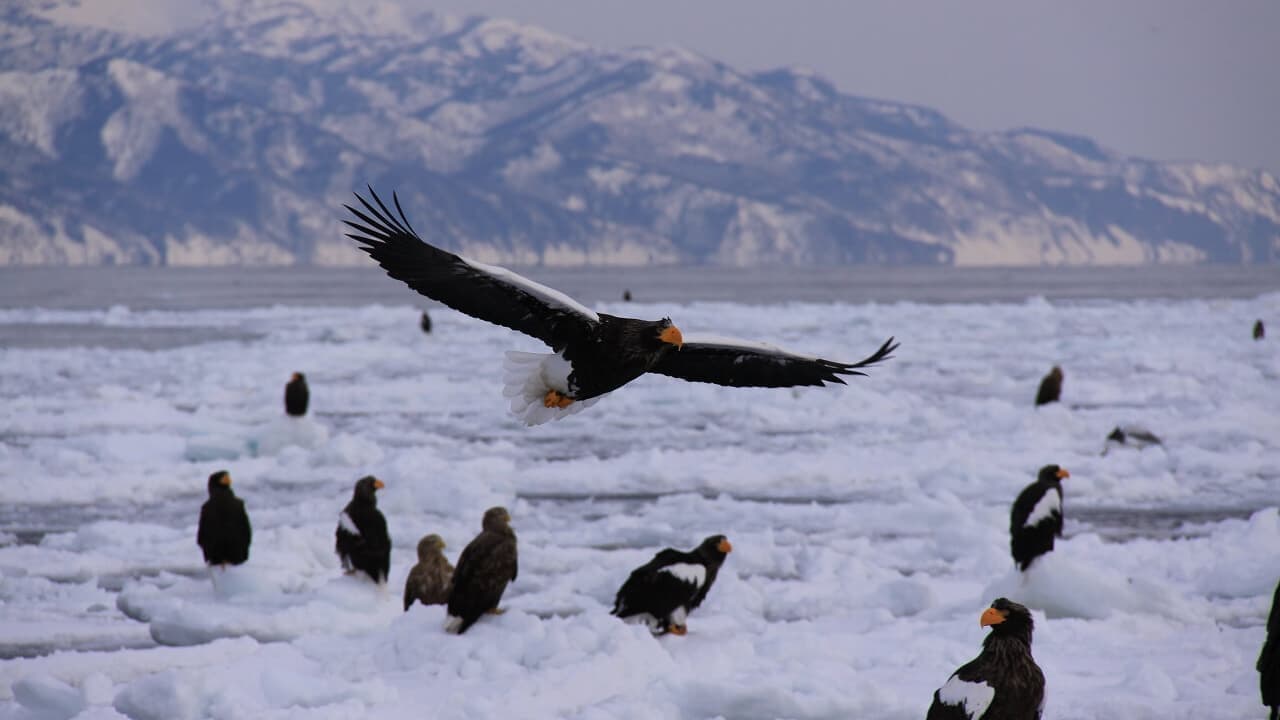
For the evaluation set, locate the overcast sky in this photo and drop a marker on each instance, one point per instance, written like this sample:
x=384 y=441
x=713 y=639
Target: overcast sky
x=1166 y=79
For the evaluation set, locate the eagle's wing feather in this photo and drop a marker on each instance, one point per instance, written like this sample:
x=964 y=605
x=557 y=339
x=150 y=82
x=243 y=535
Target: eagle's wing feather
x=739 y=363
x=487 y=292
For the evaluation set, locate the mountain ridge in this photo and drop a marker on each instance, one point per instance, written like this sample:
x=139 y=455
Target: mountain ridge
x=236 y=142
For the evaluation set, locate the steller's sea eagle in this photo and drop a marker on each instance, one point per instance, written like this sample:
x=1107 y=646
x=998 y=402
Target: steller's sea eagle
x=594 y=353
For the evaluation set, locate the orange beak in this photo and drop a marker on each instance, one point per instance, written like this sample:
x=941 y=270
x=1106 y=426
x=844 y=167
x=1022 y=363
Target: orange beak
x=378 y=485
x=226 y=479
x=991 y=616
x=672 y=336
x=725 y=546
x=1062 y=473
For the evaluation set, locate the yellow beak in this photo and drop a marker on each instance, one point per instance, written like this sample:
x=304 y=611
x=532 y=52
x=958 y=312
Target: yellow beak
x=672 y=336
x=991 y=616
x=1062 y=473
x=378 y=485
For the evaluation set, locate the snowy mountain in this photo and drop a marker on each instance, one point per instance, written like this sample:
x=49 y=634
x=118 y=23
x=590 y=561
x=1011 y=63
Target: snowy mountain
x=235 y=140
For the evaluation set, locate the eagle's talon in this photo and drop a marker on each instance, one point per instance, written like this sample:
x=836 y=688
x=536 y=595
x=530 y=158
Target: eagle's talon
x=678 y=630
x=554 y=399
x=496 y=611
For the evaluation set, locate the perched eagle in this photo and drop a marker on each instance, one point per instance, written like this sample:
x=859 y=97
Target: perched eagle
x=296 y=395
x=428 y=581
x=1050 y=387
x=1269 y=660
x=662 y=592
x=1003 y=682
x=224 y=533
x=361 y=539
x=1036 y=517
x=484 y=568
x=594 y=353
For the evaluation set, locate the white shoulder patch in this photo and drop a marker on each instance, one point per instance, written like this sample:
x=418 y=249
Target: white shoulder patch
x=692 y=573
x=549 y=295
x=729 y=343
x=346 y=523
x=972 y=697
x=1048 y=504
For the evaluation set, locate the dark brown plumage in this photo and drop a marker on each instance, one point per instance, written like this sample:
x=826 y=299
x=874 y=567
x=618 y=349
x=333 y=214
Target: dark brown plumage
x=662 y=592
x=296 y=395
x=484 y=568
x=1269 y=659
x=1036 y=516
x=1003 y=682
x=428 y=581
x=361 y=538
x=224 y=533
x=594 y=353
x=1050 y=387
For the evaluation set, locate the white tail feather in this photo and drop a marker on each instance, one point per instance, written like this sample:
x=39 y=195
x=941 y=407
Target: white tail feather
x=452 y=623
x=528 y=377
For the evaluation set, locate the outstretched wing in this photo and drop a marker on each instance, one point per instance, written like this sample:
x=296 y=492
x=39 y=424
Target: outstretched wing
x=738 y=363
x=487 y=292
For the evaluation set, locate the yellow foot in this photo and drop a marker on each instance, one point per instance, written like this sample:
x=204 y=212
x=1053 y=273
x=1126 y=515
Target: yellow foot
x=554 y=399
x=678 y=630
x=496 y=611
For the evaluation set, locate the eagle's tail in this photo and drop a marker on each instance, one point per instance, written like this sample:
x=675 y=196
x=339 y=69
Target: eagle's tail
x=528 y=377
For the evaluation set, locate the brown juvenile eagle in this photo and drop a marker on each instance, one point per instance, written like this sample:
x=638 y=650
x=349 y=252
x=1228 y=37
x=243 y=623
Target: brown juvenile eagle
x=484 y=568
x=594 y=353
x=428 y=581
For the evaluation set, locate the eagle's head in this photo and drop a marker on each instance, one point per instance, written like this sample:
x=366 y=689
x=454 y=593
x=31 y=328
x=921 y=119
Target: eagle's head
x=428 y=546
x=1008 y=619
x=220 y=482
x=715 y=548
x=668 y=334
x=367 y=488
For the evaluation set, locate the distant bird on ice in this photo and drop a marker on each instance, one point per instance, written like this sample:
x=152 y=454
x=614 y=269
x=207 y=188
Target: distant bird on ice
x=361 y=539
x=1050 y=387
x=1133 y=436
x=626 y=296
x=296 y=395
x=1269 y=659
x=662 y=592
x=1003 y=682
x=484 y=568
x=1036 y=517
x=224 y=532
x=594 y=353
x=1259 y=331
x=428 y=581
x=425 y=322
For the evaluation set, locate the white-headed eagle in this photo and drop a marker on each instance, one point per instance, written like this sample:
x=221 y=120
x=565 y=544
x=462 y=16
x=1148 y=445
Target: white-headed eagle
x=594 y=353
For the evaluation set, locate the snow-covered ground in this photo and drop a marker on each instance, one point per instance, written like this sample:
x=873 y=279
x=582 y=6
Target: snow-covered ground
x=869 y=522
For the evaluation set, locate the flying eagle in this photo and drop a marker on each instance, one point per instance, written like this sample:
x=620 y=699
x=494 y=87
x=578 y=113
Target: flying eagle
x=1003 y=682
x=662 y=592
x=594 y=353
x=224 y=532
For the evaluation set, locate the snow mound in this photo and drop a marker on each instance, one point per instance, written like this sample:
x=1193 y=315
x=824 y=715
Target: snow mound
x=287 y=431
x=1068 y=587
x=241 y=602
